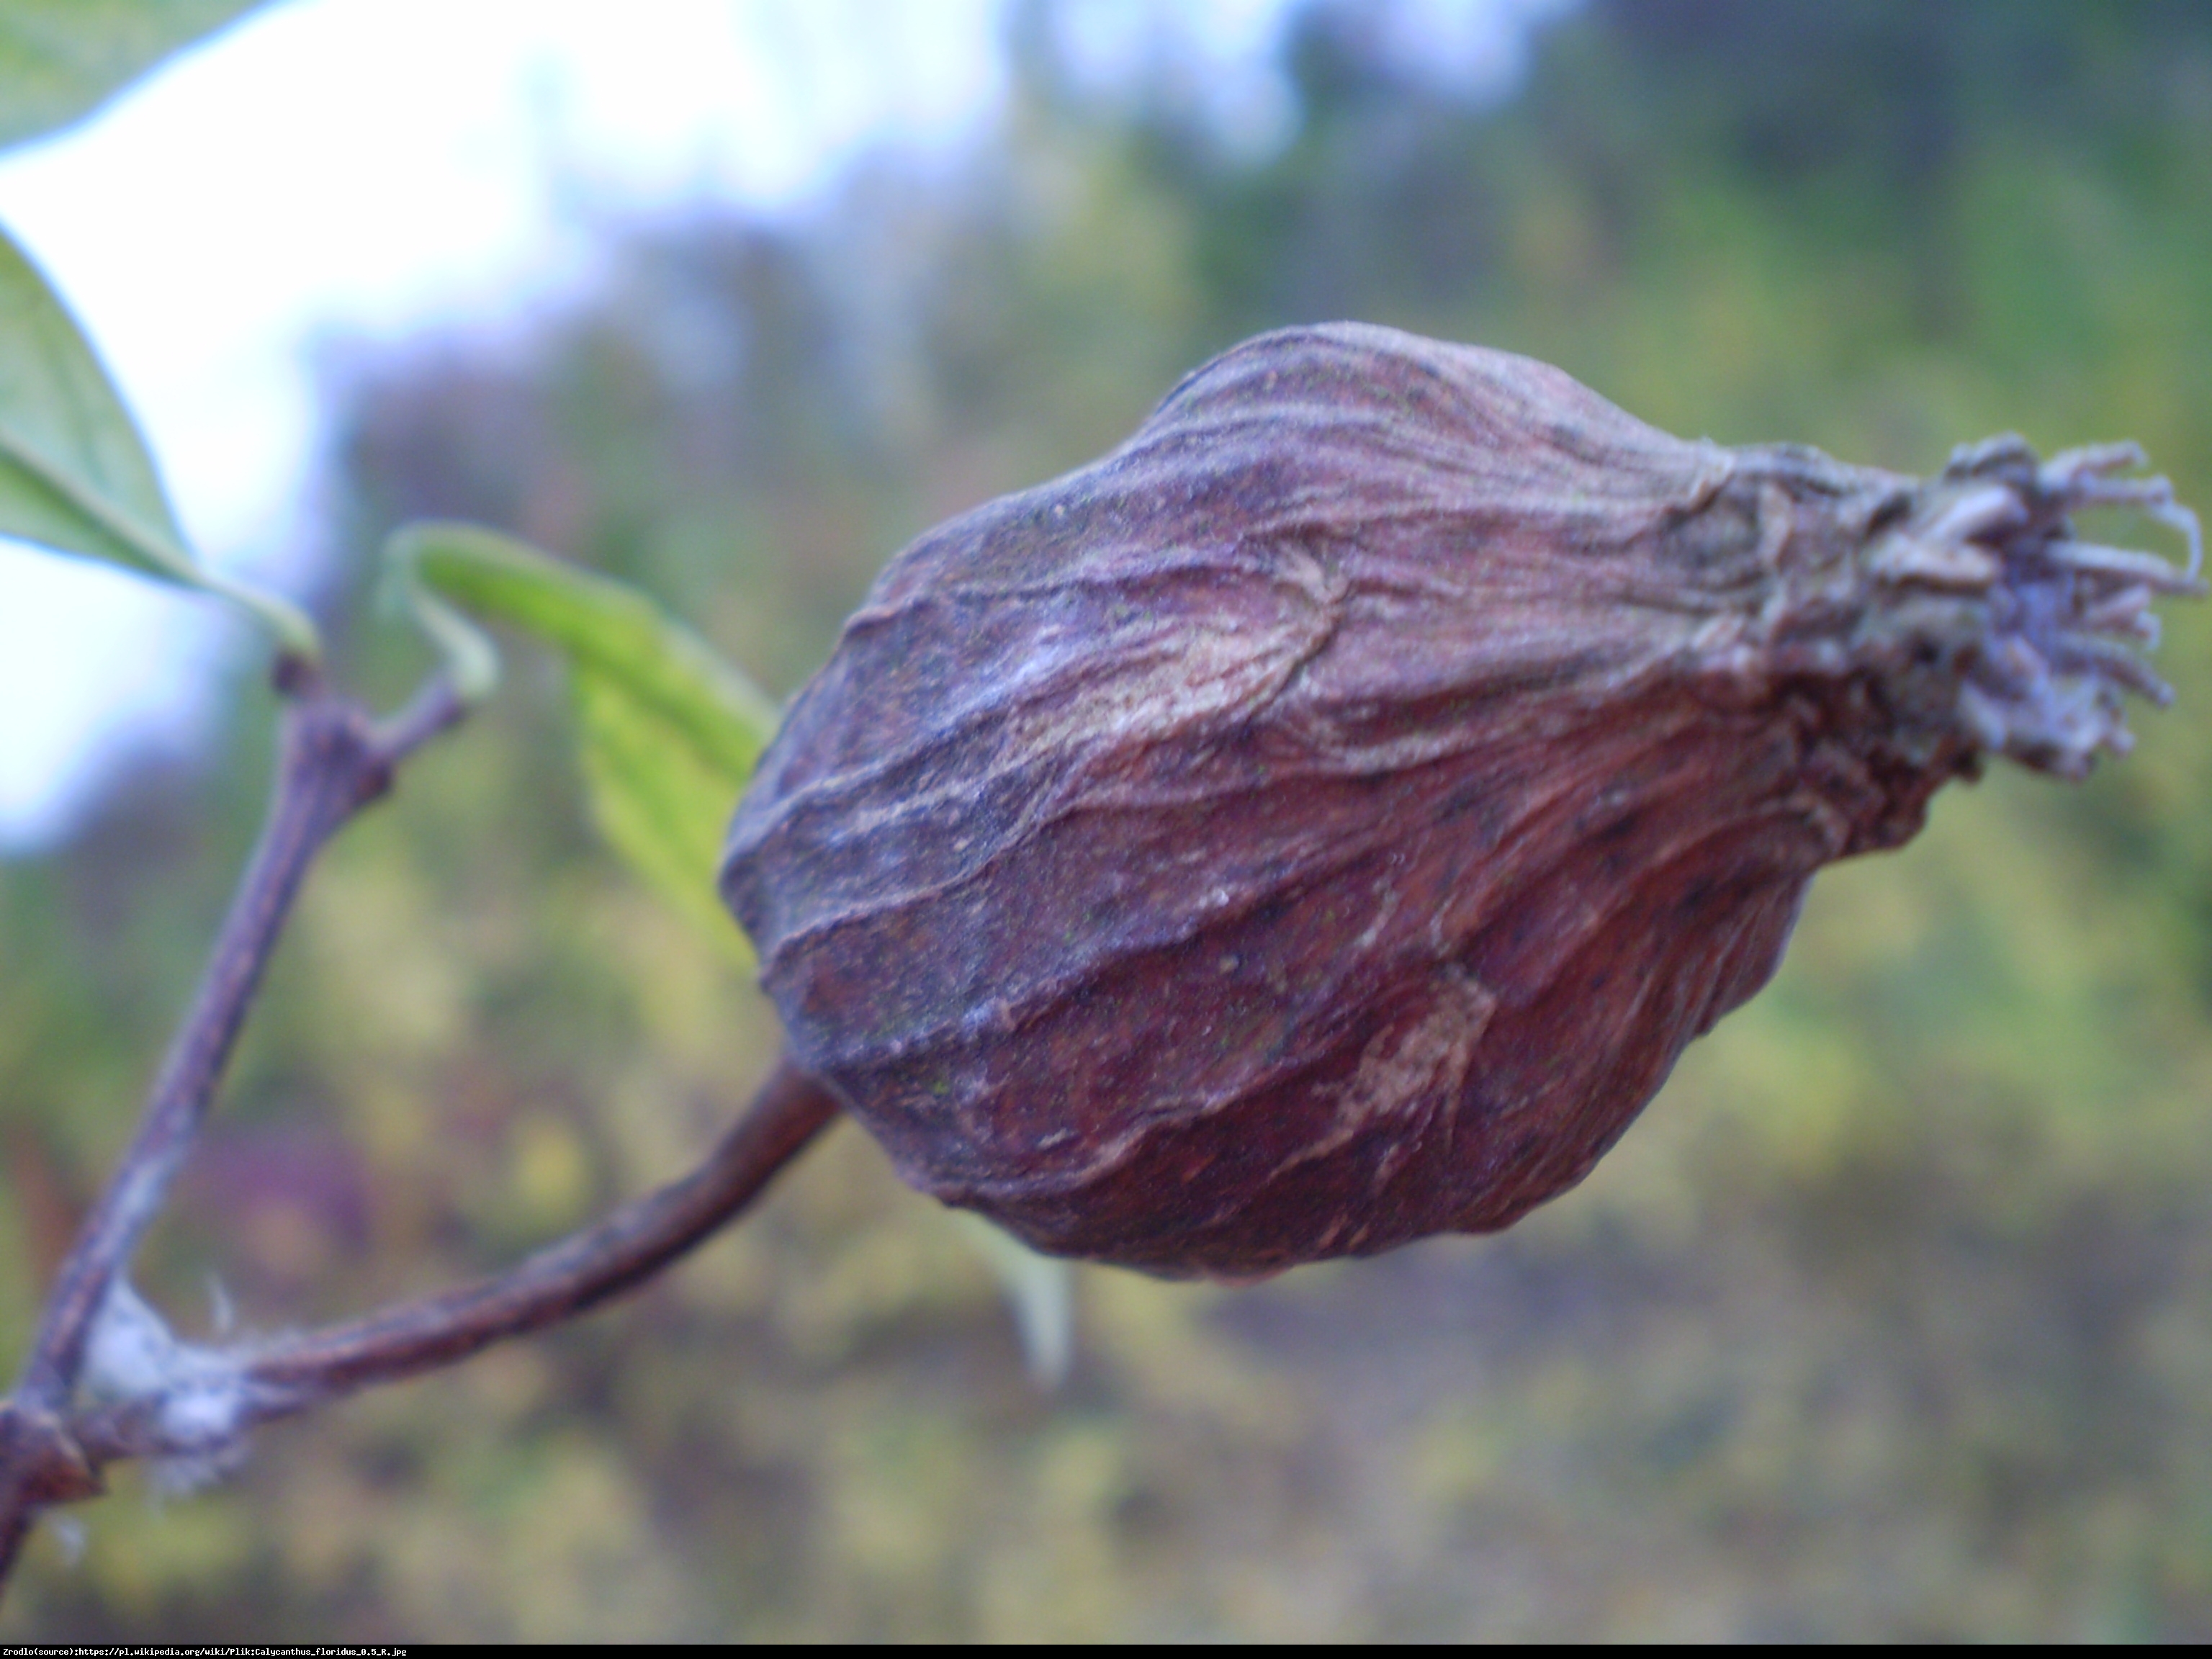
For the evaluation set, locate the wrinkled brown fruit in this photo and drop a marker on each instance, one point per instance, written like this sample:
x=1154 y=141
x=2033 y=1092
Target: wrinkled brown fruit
x=1323 y=821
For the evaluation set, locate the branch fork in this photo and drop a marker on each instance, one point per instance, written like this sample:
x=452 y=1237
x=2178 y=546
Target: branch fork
x=106 y=1380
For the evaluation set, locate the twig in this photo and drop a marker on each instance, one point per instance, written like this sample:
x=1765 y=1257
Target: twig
x=288 y=1375
x=333 y=760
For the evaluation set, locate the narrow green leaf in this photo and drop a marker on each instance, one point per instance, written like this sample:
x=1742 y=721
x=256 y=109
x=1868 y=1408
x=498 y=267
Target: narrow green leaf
x=668 y=732
x=471 y=660
x=75 y=474
x=661 y=800
x=60 y=59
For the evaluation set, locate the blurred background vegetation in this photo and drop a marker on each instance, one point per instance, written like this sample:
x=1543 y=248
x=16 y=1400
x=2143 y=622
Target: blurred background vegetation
x=1893 y=1317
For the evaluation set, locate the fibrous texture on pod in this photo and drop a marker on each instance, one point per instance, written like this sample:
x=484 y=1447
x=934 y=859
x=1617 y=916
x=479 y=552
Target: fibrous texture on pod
x=1323 y=821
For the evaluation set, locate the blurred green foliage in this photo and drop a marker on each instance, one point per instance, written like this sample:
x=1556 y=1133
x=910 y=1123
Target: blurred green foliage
x=60 y=59
x=1892 y=1318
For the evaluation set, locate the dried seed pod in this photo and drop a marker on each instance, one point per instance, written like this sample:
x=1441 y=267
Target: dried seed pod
x=1323 y=821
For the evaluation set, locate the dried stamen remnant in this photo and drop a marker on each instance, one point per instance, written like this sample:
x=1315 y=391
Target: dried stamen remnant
x=1323 y=821
x=2055 y=618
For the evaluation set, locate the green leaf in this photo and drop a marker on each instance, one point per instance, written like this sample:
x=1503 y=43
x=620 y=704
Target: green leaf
x=668 y=731
x=60 y=58
x=75 y=474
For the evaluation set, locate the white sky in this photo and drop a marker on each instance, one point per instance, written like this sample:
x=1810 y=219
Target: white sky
x=379 y=165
